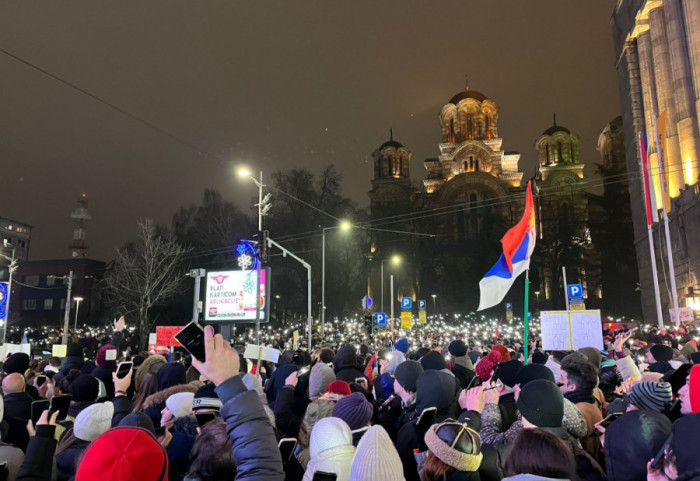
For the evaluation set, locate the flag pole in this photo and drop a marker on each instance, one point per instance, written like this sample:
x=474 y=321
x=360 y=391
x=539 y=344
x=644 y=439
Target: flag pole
x=527 y=320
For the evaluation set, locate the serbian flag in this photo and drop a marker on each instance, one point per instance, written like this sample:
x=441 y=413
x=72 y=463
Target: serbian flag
x=518 y=244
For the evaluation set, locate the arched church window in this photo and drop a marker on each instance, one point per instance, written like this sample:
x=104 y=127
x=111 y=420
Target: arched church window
x=451 y=134
x=470 y=127
x=548 y=160
x=560 y=152
x=396 y=171
x=466 y=166
x=476 y=165
x=487 y=124
x=571 y=150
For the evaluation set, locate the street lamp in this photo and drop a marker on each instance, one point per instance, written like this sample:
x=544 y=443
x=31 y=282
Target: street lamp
x=394 y=260
x=77 y=300
x=12 y=268
x=434 y=296
x=243 y=172
x=344 y=226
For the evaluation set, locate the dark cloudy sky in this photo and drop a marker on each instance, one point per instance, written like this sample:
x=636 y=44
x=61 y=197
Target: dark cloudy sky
x=274 y=84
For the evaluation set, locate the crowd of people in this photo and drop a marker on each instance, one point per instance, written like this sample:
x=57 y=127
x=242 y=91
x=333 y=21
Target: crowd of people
x=452 y=406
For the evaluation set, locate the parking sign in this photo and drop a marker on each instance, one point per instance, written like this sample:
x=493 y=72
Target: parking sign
x=421 y=305
x=575 y=291
x=381 y=318
x=406 y=303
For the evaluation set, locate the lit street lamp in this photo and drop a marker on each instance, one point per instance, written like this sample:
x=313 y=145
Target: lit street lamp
x=344 y=226
x=394 y=260
x=434 y=296
x=77 y=300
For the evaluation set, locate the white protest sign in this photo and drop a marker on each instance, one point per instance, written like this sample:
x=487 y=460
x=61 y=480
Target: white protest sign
x=571 y=330
x=252 y=351
x=7 y=349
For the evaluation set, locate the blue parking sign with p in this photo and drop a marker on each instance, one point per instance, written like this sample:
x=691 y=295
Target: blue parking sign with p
x=381 y=318
x=406 y=303
x=575 y=291
x=421 y=305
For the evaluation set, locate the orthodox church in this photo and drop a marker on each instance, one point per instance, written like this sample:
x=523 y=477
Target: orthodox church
x=469 y=196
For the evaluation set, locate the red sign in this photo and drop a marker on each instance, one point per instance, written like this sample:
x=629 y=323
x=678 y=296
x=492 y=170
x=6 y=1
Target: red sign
x=164 y=336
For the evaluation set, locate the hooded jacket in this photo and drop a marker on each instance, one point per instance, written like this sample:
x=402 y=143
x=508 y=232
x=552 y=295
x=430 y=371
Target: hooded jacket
x=184 y=433
x=276 y=382
x=155 y=403
x=331 y=450
x=345 y=365
x=631 y=441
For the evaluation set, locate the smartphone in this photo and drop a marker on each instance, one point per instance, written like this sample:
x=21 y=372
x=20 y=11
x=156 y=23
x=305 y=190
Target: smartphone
x=657 y=459
x=39 y=407
x=609 y=419
x=287 y=447
x=124 y=368
x=323 y=476
x=425 y=420
x=192 y=339
x=61 y=404
x=204 y=418
x=40 y=380
x=303 y=370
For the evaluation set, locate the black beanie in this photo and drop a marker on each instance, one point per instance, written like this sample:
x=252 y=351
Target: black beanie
x=85 y=388
x=138 y=420
x=457 y=348
x=17 y=362
x=74 y=349
x=532 y=372
x=171 y=374
x=539 y=357
x=661 y=352
x=433 y=360
x=507 y=371
x=406 y=374
x=542 y=403
x=206 y=398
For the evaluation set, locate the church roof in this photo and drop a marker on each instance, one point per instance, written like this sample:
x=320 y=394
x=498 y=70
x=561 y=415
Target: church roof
x=391 y=143
x=555 y=128
x=468 y=94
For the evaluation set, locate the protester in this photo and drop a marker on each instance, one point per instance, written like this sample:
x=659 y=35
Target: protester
x=539 y=455
x=454 y=452
x=331 y=449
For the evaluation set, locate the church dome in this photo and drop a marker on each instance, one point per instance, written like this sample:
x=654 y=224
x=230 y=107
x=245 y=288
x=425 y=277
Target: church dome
x=468 y=94
x=391 y=143
x=556 y=128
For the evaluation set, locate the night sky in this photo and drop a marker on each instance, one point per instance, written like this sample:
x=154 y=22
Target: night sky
x=274 y=85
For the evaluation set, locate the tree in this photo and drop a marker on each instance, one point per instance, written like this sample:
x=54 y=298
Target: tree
x=146 y=274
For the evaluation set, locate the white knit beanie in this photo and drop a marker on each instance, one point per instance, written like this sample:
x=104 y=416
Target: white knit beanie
x=180 y=404
x=93 y=421
x=329 y=433
x=376 y=458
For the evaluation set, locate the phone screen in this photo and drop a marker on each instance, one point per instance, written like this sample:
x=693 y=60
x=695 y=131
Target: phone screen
x=192 y=339
x=206 y=417
x=40 y=380
x=426 y=418
x=322 y=476
x=287 y=447
x=39 y=407
x=61 y=404
x=124 y=369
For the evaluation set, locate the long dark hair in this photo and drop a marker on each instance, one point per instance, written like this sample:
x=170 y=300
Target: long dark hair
x=149 y=385
x=541 y=453
x=211 y=457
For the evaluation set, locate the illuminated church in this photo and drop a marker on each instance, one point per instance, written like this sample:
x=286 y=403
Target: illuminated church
x=469 y=196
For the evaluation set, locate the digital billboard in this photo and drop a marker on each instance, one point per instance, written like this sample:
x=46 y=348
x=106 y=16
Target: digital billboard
x=230 y=296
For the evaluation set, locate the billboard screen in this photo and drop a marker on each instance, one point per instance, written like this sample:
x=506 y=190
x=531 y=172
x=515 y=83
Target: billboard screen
x=230 y=296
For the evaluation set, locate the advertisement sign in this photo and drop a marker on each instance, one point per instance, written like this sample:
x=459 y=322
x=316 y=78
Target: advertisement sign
x=230 y=296
x=3 y=299
x=164 y=335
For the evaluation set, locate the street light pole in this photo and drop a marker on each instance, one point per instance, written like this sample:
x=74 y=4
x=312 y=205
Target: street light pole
x=323 y=285
x=434 y=296
x=260 y=248
x=77 y=308
x=394 y=260
x=12 y=268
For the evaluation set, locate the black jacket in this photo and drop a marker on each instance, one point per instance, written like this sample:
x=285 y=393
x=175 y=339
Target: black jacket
x=184 y=433
x=104 y=374
x=463 y=375
x=346 y=366
x=18 y=405
x=509 y=410
x=38 y=460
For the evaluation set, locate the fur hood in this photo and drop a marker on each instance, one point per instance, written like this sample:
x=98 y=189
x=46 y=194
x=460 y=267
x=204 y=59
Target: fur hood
x=160 y=397
x=186 y=425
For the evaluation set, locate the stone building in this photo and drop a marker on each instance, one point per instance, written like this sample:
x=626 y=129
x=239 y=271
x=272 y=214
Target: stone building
x=470 y=195
x=657 y=55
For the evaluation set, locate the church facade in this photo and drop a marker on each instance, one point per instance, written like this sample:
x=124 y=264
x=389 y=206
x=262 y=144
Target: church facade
x=469 y=196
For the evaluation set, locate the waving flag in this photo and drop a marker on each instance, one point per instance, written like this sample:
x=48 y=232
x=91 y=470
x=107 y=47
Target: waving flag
x=518 y=244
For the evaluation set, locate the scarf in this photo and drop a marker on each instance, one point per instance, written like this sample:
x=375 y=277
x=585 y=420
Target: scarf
x=580 y=396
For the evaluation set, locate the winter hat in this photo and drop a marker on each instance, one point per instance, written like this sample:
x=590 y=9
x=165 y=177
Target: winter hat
x=455 y=445
x=457 y=348
x=677 y=378
x=101 y=357
x=655 y=396
x=320 y=377
x=339 y=387
x=433 y=361
x=329 y=433
x=354 y=409
x=484 y=368
x=542 y=403
x=592 y=354
x=401 y=345
x=505 y=354
x=407 y=373
x=17 y=362
x=435 y=389
x=688 y=349
x=85 y=388
x=206 y=398
x=376 y=458
x=171 y=374
x=93 y=421
x=531 y=372
x=74 y=349
x=122 y=454
x=180 y=404
x=395 y=358
x=326 y=355
x=661 y=352
x=474 y=356
x=138 y=420
x=539 y=357
x=684 y=443
x=507 y=371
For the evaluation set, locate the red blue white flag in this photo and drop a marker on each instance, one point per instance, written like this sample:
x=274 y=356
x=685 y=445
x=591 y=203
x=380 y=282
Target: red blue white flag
x=518 y=244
